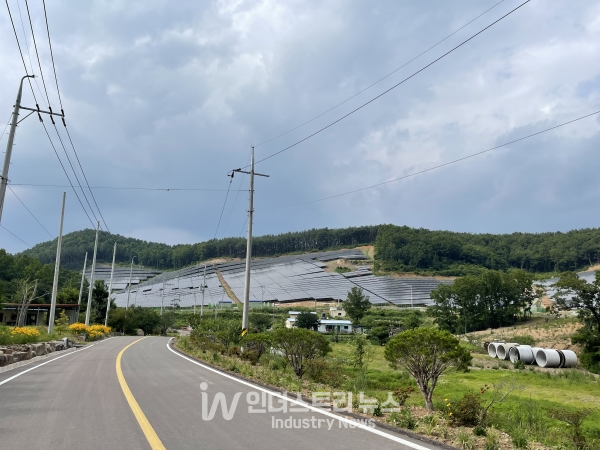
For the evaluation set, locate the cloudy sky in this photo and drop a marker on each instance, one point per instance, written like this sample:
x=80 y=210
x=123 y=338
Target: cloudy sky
x=161 y=94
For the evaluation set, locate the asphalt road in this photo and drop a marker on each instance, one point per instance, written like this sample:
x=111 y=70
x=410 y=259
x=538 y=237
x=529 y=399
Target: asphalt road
x=78 y=402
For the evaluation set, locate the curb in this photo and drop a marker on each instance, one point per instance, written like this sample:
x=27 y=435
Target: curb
x=383 y=425
x=35 y=359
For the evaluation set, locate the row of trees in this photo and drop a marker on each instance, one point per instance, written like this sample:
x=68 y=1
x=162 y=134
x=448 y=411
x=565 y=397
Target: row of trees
x=162 y=256
x=490 y=300
x=449 y=253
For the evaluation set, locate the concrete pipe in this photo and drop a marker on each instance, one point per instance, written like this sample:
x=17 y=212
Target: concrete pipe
x=547 y=357
x=503 y=349
x=492 y=348
x=570 y=358
x=522 y=353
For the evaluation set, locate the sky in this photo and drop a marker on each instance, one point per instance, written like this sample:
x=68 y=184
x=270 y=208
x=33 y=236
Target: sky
x=173 y=95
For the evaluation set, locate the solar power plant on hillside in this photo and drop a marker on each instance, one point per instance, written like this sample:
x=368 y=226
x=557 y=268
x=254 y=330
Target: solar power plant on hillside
x=284 y=279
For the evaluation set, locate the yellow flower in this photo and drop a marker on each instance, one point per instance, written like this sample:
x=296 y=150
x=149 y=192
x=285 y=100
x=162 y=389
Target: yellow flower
x=448 y=404
x=445 y=399
x=450 y=413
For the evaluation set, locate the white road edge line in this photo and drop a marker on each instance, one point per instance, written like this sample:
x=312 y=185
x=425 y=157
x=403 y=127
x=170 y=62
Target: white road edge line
x=312 y=408
x=42 y=364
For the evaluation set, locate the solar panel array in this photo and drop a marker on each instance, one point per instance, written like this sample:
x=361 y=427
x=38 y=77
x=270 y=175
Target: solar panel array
x=121 y=275
x=401 y=291
x=284 y=279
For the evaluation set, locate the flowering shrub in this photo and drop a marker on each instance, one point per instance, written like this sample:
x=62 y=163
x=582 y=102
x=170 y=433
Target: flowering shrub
x=92 y=332
x=25 y=331
x=77 y=328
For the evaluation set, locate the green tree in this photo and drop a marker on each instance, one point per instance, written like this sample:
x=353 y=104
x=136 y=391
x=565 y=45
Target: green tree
x=308 y=321
x=300 y=346
x=67 y=295
x=413 y=320
x=586 y=297
x=260 y=322
x=426 y=353
x=256 y=344
x=356 y=304
x=381 y=334
x=361 y=357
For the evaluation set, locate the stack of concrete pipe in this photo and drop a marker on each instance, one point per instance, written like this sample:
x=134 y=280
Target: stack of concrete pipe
x=543 y=357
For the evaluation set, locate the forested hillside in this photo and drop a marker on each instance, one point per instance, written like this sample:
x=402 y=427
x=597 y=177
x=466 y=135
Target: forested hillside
x=162 y=256
x=448 y=253
x=396 y=249
x=15 y=270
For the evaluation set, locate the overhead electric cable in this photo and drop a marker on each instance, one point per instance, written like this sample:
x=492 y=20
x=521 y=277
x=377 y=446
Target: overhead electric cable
x=393 y=87
x=383 y=78
x=127 y=188
x=74 y=172
x=27 y=47
x=67 y=175
x=436 y=167
x=20 y=51
x=29 y=211
x=53 y=66
x=224 y=203
x=36 y=53
x=235 y=199
x=84 y=176
x=15 y=236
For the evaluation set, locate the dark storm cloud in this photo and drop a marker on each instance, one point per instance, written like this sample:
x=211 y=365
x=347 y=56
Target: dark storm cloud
x=159 y=94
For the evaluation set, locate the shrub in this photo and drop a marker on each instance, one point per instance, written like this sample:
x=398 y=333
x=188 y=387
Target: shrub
x=403 y=419
x=479 y=431
x=402 y=394
x=300 y=346
x=329 y=372
x=465 y=440
x=22 y=335
x=466 y=411
x=574 y=420
x=492 y=440
x=519 y=438
x=525 y=339
x=77 y=328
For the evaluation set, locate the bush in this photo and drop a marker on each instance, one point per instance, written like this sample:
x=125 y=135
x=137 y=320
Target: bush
x=77 y=328
x=492 y=440
x=466 y=411
x=329 y=372
x=300 y=346
x=522 y=340
x=465 y=440
x=403 y=419
x=519 y=438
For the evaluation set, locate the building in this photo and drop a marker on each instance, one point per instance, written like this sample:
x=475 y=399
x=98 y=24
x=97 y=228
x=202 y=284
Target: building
x=37 y=314
x=336 y=311
x=335 y=326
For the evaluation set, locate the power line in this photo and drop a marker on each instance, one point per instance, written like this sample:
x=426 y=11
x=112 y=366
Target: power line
x=235 y=200
x=127 y=188
x=20 y=51
x=29 y=211
x=36 y=53
x=393 y=87
x=66 y=174
x=27 y=47
x=15 y=235
x=381 y=79
x=438 y=166
x=84 y=176
x=75 y=173
x=53 y=66
x=224 y=203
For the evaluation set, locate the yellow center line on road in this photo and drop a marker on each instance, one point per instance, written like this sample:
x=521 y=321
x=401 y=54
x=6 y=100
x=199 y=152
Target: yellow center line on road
x=151 y=436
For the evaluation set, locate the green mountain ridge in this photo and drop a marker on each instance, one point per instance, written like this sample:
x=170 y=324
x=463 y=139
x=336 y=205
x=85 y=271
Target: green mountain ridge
x=397 y=248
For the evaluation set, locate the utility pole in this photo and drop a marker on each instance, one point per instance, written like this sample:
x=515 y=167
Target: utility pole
x=194 y=295
x=81 y=286
x=56 y=269
x=129 y=286
x=162 y=298
x=91 y=289
x=11 y=138
x=249 y=242
x=203 y=288
x=411 y=298
x=112 y=271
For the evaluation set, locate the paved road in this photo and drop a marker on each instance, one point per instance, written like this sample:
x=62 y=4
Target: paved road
x=78 y=402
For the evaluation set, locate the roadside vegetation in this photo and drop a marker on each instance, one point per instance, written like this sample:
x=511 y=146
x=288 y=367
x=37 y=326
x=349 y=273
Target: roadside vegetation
x=441 y=385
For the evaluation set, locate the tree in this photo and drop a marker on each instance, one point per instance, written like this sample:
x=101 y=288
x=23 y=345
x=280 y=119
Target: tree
x=300 y=346
x=308 y=321
x=413 y=320
x=26 y=294
x=67 y=295
x=256 y=344
x=586 y=297
x=426 y=353
x=356 y=304
x=260 y=322
x=361 y=357
x=381 y=334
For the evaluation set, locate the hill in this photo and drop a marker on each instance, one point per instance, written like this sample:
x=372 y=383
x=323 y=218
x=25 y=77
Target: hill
x=397 y=249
